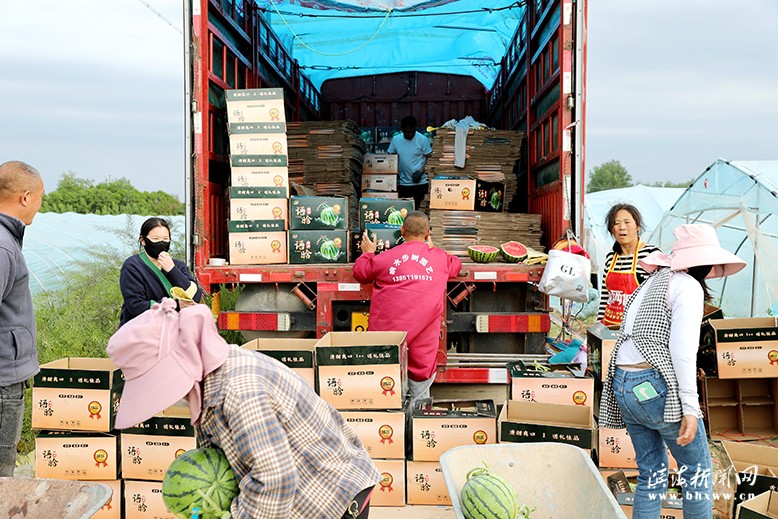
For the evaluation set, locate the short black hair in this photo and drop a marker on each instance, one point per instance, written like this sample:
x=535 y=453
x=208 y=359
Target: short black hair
x=409 y=121
x=416 y=224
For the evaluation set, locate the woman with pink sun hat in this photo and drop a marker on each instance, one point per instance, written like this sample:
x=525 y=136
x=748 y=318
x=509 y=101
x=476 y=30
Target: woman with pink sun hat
x=651 y=384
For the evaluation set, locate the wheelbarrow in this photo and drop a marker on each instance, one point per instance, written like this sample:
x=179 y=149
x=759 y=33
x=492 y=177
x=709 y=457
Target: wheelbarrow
x=559 y=479
x=32 y=497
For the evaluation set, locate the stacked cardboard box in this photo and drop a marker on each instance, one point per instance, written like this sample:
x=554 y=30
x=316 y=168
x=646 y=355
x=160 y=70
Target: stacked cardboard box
x=318 y=229
x=552 y=403
x=296 y=354
x=327 y=157
x=147 y=450
x=380 y=217
x=379 y=176
x=490 y=158
x=74 y=405
x=364 y=376
x=259 y=178
x=454 y=230
x=437 y=426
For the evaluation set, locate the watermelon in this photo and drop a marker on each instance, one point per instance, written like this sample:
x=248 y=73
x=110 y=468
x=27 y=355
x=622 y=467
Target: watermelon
x=200 y=478
x=329 y=250
x=395 y=218
x=482 y=253
x=486 y=496
x=513 y=252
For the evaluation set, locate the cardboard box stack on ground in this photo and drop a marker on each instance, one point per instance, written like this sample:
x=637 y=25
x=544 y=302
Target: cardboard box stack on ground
x=745 y=348
x=454 y=231
x=530 y=422
x=326 y=159
x=364 y=376
x=437 y=426
x=552 y=384
x=619 y=483
x=259 y=181
x=147 y=450
x=297 y=354
x=740 y=409
x=379 y=176
x=74 y=403
x=490 y=157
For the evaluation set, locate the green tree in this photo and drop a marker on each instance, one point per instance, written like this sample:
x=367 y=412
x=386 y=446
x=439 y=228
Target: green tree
x=84 y=196
x=608 y=175
x=669 y=183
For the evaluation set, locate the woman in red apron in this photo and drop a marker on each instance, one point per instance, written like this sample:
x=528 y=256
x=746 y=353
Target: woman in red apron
x=622 y=274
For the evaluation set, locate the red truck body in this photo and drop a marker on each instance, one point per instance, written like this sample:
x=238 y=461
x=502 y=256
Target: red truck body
x=539 y=91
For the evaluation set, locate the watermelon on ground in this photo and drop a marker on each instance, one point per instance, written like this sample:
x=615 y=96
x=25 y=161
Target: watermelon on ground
x=200 y=478
x=486 y=496
x=482 y=253
x=513 y=251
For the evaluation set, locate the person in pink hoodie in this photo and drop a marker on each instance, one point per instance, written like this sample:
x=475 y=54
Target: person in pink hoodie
x=409 y=285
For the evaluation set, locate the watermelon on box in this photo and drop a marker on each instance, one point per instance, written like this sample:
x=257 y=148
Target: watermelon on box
x=200 y=478
x=482 y=253
x=513 y=252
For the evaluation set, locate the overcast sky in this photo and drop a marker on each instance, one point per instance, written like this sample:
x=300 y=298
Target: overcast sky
x=96 y=87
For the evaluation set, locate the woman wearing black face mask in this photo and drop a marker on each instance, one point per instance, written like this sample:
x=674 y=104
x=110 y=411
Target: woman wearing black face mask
x=149 y=276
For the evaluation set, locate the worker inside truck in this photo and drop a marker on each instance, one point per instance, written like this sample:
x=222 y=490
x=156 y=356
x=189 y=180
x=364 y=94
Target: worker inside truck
x=409 y=282
x=412 y=149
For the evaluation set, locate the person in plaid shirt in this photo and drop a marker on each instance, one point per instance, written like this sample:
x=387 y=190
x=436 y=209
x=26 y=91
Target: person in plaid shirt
x=292 y=453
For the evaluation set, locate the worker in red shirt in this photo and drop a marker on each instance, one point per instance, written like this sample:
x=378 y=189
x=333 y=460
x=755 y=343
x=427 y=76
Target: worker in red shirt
x=409 y=285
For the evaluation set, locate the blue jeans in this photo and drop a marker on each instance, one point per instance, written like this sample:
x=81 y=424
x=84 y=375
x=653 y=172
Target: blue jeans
x=650 y=433
x=11 y=415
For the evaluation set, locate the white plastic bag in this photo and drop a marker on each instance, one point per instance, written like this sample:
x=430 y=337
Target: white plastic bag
x=567 y=275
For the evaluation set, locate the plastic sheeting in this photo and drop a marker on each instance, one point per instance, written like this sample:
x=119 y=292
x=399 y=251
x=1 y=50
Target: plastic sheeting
x=54 y=241
x=740 y=199
x=335 y=39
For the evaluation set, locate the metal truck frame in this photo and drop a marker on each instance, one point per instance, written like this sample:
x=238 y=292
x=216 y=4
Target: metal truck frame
x=540 y=91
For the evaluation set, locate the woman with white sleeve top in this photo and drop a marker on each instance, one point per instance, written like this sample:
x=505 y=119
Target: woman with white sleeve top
x=651 y=384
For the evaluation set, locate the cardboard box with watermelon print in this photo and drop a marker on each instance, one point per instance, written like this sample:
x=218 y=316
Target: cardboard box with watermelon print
x=489 y=196
x=143 y=500
x=384 y=236
x=439 y=425
x=383 y=210
x=316 y=247
x=149 y=448
x=316 y=213
x=425 y=483
x=296 y=354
